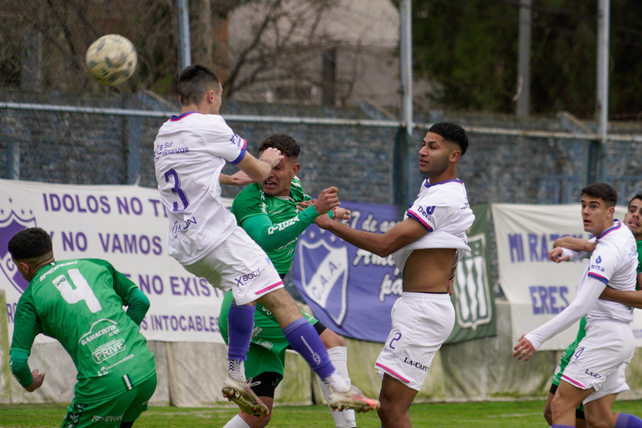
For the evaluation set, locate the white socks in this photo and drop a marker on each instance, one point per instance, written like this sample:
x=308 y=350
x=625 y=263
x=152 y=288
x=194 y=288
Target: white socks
x=236 y=422
x=339 y=357
x=236 y=370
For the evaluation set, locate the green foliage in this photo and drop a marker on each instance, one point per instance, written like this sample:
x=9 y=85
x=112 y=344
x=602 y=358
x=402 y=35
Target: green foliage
x=468 y=48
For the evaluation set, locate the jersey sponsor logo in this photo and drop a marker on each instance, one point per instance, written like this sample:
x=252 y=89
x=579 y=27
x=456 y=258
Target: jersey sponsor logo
x=108 y=350
x=595 y=375
x=181 y=226
x=9 y=226
x=324 y=276
x=597 y=268
x=282 y=226
x=167 y=149
x=427 y=211
x=599 y=260
x=471 y=286
x=243 y=280
x=415 y=364
x=106 y=419
x=98 y=329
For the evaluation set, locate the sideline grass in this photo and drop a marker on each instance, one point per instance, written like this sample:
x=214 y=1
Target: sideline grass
x=510 y=414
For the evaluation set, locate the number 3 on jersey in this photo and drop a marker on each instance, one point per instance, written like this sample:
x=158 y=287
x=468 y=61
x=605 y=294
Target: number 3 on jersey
x=171 y=173
x=77 y=290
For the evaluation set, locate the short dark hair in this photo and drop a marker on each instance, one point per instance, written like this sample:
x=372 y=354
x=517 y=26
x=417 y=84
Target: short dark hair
x=637 y=196
x=286 y=144
x=30 y=243
x=194 y=82
x=602 y=190
x=451 y=132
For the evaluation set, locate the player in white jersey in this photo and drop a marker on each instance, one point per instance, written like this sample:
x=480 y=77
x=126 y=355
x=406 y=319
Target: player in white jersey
x=189 y=153
x=595 y=374
x=424 y=246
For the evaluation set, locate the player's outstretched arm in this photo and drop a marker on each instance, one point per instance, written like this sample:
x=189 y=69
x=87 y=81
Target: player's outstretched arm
x=28 y=379
x=239 y=178
x=628 y=298
x=381 y=244
x=575 y=244
x=260 y=169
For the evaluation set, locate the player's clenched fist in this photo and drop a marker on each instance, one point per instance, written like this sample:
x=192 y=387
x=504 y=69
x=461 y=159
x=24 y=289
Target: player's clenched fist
x=272 y=156
x=328 y=199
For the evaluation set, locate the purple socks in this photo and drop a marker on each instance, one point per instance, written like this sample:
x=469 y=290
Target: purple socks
x=624 y=420
x=305 y=340
x=240 y=322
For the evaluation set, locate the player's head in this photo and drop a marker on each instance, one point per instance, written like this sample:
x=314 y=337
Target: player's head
x=633 y=217
x=30 y=249
x=278 y=183
x=198 y=84
x=442 y=147
x=598 y=206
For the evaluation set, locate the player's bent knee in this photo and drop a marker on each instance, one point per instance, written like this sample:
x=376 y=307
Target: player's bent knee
x=332 y=340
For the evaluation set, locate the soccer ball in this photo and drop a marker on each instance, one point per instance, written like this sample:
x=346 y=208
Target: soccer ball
x=111 y=59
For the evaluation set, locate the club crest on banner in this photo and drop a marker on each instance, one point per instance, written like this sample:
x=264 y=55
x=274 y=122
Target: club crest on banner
x=472 y=294
x=324 y=276
x=9 y=227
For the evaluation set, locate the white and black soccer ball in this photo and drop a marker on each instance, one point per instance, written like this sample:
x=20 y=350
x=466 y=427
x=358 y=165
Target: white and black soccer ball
x=111 y=59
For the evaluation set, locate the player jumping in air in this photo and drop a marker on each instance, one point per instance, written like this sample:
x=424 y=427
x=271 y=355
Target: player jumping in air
x=190 y=152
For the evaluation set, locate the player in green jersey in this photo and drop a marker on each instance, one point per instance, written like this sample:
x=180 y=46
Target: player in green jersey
x=270 y=213
x=633 y=220
x=80 y=303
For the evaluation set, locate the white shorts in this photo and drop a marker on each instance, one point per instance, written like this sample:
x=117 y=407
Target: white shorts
x=238 y=264
x=421 y=323
x=601 y=358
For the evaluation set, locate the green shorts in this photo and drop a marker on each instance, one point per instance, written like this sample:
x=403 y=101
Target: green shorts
x=125 y=407
x=566 y=358
x=267 y=349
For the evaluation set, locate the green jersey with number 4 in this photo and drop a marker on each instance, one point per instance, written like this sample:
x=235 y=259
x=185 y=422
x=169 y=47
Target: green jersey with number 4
x=80 y=303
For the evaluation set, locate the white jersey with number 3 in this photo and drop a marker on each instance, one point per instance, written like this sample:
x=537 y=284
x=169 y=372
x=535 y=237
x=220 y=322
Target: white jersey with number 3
x=189 y=153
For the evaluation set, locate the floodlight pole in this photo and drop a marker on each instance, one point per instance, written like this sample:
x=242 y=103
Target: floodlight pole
x=595 y=170
x=405 y=41
x=524 y=59
x=184 y=44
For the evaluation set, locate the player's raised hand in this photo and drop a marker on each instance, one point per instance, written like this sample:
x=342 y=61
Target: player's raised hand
x=38 y=379
x=341 y=214
x=272 y=156
x=523 y=349
x=328 y=199
x=555 y=255
x=304 y=204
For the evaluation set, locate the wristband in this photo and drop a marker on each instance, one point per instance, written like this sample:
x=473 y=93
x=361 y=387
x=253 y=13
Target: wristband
x=332 y=213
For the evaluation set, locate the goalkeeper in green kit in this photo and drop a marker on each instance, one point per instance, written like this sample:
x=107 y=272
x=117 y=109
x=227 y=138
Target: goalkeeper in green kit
x=271 y=213
x=80 y=303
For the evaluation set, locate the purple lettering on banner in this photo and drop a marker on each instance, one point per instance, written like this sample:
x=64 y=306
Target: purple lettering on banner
x=80 y=209
x=199 y=324
x=544 y=249
x=9 y=314
x=173 y=283
x=165 y=318
x=122 y=205
x=104 y=243
x=181 y=322
x=158 y=248
x=44 y=197
x=552 y=291
x=155 y=203
x=205 y=287
x=534 y=295
x=157 y=280
x=130 y=244
x=92 y=200
x=186 y=288
x=67 y=241
x=214 y=324
x=55 y=202
x=516 y=246
x=543 y=295
x=143 y=324
x=190 y=324
x=144 y=244
x=128 y=275
x=174 y=323
x=67 y=198
x=105 y=203
x=115 y=244
x=532 y=247
x=81 y=242
x=137 y=206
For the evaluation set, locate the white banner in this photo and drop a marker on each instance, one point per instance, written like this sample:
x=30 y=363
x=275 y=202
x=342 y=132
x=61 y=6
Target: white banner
x=125 y=225
x=538 y=289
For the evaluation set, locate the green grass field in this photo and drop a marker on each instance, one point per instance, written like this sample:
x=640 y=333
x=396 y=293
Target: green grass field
x=513 y=414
